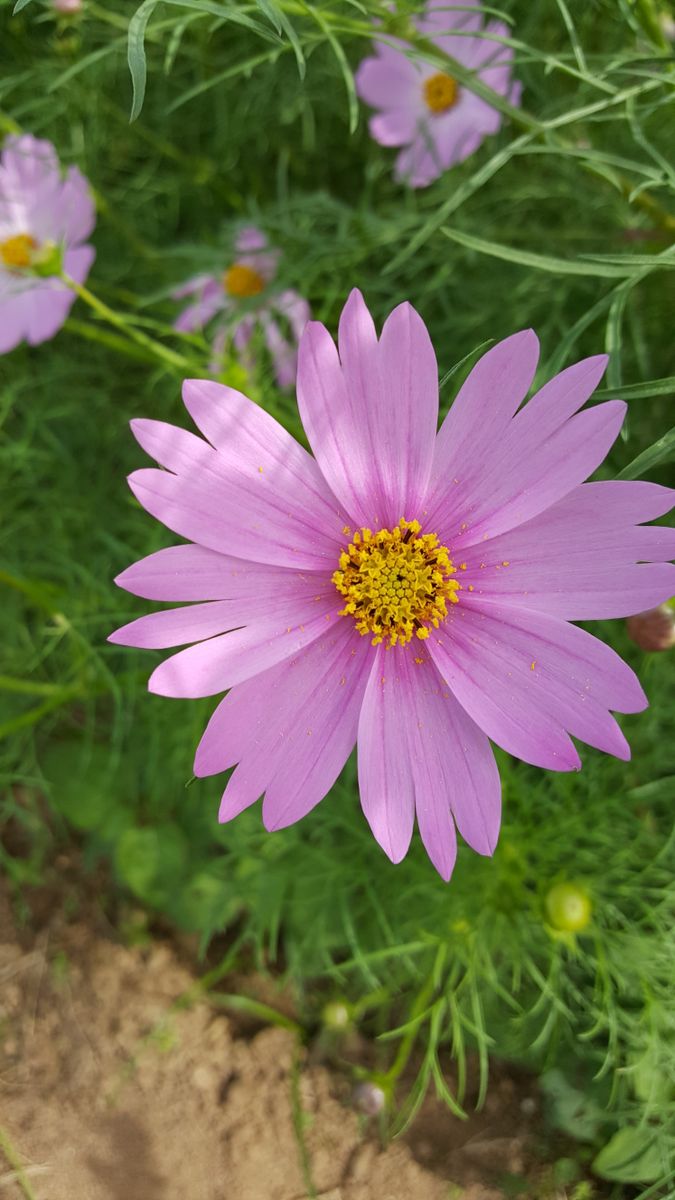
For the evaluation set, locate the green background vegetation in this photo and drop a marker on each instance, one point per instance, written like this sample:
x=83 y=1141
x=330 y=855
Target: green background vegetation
x=565 y=221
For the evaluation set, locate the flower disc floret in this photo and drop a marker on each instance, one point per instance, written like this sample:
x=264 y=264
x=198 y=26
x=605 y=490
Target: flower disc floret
x=18 y=251
x=397 y=583
x=242 y=281
x=441 y=92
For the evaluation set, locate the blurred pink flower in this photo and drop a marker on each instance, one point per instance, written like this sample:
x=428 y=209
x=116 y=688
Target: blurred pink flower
x=43 y=215
x=242 y=293
x=446 y=626
x=438 y=121
x=67 y=6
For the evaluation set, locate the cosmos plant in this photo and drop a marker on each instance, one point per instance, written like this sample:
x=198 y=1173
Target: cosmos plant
x=244 y=298
x=436 y=120
x=45 y=220
x=405 y=588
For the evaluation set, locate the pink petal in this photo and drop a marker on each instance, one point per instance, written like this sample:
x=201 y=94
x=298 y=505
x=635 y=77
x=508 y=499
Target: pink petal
x=440 y=16
x=420 y=163
x=410 y=379
x=244 y=433
x=184 y=573
x=211 y=300
x=391 y=82
x=77 y=263
x=396 y=127
x=528 y=463
x=250 y=239
x=371 y=415
x=258 y=496
x=77 y=215
x=386 y=779
x=294 y=308
x=454 y=771
x=46 y=309
x=291 y=729
x=454 y=135
x=220 y=663
x=578 y=558
x=524 y=482
x=283 y=354
x=179 y=626
x=482 y=411
x=12 y=324
x=526 y=679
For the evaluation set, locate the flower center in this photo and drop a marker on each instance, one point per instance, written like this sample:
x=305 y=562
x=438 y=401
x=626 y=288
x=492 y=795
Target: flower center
x=396 y=582
x=241 y=281
x=441 y=92
x=17 y=251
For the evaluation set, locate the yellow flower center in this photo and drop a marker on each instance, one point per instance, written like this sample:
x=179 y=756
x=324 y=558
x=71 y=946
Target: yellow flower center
x=17 y=251
x=242 y=281
x=396 y=582
x=441 y=92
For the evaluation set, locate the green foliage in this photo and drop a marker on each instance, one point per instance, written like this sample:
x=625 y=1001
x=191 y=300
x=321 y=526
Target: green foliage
x=563 y=221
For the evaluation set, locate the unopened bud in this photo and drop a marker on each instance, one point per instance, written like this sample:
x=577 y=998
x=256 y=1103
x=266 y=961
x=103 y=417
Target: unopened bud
x=568 y=907
x=67 y=6
x=368 y=1098
x=336 y=1016
x=653 y=630
x=667 y=24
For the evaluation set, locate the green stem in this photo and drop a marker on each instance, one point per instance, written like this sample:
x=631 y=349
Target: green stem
x=162 y=353
x=16 y=1165
x=408 y=1041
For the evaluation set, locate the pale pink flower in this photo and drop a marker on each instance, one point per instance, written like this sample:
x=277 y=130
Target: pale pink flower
x=244 y=294
x=44 y=215
x=437 y=120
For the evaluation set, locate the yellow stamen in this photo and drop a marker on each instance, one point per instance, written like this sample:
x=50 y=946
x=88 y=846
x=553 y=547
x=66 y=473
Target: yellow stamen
x=396 y=583
x=441 y=92
x=242 y=281
x=17 y=251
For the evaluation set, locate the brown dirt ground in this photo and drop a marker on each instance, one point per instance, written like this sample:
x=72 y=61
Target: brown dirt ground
x=107 y=1093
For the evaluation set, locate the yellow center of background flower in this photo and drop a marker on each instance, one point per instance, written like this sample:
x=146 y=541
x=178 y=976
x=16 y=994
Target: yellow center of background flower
x=396 y=582
x=441 y=92
x=17 y=251
x=242 y=281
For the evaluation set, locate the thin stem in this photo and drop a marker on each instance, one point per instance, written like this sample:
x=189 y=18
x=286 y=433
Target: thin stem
x=16 y=1165
x=170 y=357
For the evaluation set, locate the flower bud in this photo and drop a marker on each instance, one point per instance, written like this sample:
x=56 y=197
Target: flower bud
x=368 y=1098
x=568 y=907
x=67 y=6
x=336 y=1016
x=653 y=630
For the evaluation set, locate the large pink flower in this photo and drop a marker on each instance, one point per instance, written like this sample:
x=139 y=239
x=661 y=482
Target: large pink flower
x=243 y=293
x=42 y=213
x=445 y=626
x=425 y=110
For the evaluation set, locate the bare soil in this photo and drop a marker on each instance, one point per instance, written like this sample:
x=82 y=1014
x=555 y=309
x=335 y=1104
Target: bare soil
x=108 y=1091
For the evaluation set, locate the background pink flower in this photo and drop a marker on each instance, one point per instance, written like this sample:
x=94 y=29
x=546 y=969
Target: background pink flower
x=437 y=120
x=41 y=211
x=489 y=544
x=242 y=293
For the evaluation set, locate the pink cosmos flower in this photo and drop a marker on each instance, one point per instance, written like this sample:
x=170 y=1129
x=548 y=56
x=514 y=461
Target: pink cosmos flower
x=42 y=213
x=403 y=587
x=241 y=292
x=437 y=121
